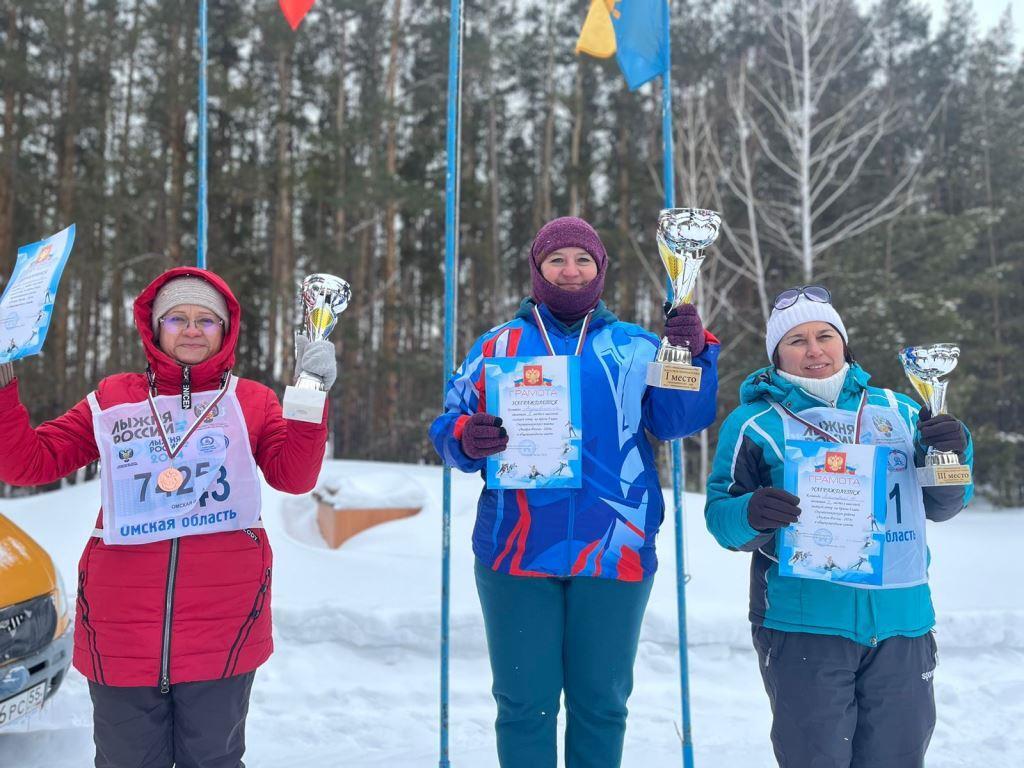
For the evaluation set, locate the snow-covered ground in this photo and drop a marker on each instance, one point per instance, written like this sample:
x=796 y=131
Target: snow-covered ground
x=354 y=679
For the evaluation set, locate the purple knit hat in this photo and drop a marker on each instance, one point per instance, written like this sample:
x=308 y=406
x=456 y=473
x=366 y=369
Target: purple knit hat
x=567 y=232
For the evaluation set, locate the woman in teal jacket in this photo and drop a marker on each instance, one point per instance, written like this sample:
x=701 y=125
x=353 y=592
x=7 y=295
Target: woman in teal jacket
x=848 y=670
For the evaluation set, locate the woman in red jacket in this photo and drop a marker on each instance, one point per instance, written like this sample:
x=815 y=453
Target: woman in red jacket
x=173 y=611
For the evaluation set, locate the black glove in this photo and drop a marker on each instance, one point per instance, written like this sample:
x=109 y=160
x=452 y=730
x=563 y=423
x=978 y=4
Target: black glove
x=942 y=432
x=771 y=508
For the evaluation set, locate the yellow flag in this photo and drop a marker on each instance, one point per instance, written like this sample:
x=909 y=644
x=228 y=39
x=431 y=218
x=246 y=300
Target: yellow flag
x=597 y=38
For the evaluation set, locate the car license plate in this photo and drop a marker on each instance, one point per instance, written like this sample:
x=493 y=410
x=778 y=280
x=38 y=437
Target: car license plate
x=22 y=705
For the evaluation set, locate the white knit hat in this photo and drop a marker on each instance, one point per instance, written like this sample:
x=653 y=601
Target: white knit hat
x=782 y=321
x=189 y=290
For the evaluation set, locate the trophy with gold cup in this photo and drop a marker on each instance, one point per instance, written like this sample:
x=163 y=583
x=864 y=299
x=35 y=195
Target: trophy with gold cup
x=324 y=298
x=683 y=234
x=925 y=367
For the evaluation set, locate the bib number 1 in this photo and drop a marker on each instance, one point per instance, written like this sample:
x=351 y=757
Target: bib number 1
x=894 y=494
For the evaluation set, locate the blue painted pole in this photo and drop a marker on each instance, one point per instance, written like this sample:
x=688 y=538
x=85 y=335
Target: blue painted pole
x=451 y=247
x=201 y=196
x=678 y=467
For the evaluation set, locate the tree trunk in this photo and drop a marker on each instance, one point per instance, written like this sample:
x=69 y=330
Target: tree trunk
x=993 y=256
x=498 y=297
x=118 y=358
x=543 y=204
x=176 y=113
x=357 y=404
x=66 y=163
x=280 y=352
x=11 y=146
x=349 y=330
x=93 y=279
x=575 y=171
x=390 y=277
x=627 y=275
x=804 y=159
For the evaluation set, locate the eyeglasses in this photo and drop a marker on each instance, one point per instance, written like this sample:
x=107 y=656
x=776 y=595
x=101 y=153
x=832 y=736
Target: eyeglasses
x=788 y=297
x=178 y=323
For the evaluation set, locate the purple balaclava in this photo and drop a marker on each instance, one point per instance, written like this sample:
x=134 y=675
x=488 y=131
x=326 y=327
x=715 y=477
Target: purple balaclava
x=567 y=232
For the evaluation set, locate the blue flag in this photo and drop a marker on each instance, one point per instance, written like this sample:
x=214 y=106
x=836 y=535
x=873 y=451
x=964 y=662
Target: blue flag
x=641 y=37
x=635 y=32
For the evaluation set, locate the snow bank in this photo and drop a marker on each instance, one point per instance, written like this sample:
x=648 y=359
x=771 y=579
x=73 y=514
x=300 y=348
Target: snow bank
x=345 y=489
x=354 y=677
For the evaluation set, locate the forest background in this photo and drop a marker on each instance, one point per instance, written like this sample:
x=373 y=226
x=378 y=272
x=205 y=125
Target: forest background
x=851 y=145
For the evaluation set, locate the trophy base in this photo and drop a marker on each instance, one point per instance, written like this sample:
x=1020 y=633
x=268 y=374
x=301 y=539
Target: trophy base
x=944 y=474
x=302 y=404
x=673 y=376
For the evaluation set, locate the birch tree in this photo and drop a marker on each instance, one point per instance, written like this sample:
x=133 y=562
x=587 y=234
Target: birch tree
x=736 y=173
x=816 y=131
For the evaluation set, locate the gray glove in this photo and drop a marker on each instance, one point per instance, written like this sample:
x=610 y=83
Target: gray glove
x=315 y=357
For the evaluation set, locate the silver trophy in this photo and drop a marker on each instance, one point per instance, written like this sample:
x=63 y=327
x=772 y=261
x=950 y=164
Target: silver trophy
x=324 y=297
x=683 y=234
x=925 y=367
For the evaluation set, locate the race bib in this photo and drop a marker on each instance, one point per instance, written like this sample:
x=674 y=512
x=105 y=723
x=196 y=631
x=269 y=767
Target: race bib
x=902 y=535
x=167 y=472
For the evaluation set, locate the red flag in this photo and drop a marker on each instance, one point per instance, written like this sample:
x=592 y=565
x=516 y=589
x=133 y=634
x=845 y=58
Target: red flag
x=295 y=11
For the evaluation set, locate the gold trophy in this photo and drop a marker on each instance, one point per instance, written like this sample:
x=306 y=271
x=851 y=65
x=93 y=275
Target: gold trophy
x=683 y=234
x=324 y=297
x=925 y=366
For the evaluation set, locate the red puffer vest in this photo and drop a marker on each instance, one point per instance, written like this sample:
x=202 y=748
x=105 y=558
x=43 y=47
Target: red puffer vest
x=195 y=608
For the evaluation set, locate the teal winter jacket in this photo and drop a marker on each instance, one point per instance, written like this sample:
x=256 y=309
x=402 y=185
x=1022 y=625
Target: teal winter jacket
x=748 y=457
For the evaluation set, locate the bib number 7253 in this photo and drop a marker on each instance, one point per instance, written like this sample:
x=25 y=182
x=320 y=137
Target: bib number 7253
x=148 y=489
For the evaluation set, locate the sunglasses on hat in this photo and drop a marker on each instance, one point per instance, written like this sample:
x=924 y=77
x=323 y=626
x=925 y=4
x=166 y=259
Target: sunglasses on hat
x=788 y=297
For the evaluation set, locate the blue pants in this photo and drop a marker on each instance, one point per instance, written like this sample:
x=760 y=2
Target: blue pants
x=546 y=635
x=840 y=704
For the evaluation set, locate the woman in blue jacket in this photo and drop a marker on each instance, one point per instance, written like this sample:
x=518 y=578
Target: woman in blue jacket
x=848 y=670
x=564 y=575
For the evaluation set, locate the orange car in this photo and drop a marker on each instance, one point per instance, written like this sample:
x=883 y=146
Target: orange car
x=35 y=631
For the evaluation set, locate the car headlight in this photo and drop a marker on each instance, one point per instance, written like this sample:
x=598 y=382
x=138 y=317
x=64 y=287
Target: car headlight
x=59 y=596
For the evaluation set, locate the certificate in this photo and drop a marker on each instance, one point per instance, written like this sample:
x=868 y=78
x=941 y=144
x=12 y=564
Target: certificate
x=840 y=536
x=26 y=306
x=538 y=401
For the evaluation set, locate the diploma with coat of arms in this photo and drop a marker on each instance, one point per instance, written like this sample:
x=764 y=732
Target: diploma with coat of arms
x=538 y=400
x=840 y=535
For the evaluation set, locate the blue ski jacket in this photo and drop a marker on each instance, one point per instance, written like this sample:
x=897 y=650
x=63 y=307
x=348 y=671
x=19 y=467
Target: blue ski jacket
x=747 y=458
x=605 y=529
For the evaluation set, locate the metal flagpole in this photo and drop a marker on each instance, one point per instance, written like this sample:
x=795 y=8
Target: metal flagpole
x=201 y=196
x=451 y=243
x=678 y=467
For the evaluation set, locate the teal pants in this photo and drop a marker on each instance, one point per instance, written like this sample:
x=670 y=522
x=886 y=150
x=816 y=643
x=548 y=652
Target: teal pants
x=546 y=635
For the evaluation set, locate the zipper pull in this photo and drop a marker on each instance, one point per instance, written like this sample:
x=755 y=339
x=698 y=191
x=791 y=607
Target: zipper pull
x=165 y=684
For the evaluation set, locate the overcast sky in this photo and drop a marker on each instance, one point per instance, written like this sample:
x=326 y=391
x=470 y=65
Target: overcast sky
x=988 y=12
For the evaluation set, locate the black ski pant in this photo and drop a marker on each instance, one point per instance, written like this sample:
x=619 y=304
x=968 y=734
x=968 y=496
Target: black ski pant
x=194 y=725
x=839 y=704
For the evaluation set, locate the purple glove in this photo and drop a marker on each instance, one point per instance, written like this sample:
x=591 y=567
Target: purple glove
x=483 y=435
x=683 y=328
x=942 y=432
x=771 y=508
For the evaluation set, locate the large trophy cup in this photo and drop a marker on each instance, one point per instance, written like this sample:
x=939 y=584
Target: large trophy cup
x=324 y=297
x=925 y=367
x=683 y=234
